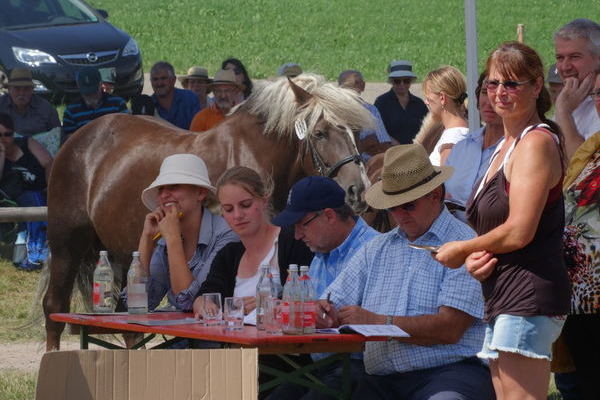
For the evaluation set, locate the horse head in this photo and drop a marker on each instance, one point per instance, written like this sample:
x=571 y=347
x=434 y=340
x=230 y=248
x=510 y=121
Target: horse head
x=328 y=147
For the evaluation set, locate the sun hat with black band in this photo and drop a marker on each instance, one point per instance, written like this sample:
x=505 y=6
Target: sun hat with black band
x=313 y=193
x=195 y=73
x=182 y=169
x=401 y=69
x=225 y=77
x=407 y=175
x=20 y=77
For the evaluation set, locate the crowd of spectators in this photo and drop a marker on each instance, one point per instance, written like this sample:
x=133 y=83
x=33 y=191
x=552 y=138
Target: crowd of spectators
x=482 y=311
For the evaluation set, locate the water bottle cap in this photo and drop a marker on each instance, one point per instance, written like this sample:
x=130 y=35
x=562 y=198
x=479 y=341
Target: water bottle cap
x=264 y=266
x=293 y=268
x=103 y=253
x=135 y=254
x=304 y=268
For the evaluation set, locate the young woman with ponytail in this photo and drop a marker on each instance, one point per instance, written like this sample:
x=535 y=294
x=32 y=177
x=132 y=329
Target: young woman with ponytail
x=445 y=93
x=518 y=213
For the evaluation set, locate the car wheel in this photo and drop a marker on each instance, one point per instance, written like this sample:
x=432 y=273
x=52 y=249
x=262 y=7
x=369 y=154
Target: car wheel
x=3 y=81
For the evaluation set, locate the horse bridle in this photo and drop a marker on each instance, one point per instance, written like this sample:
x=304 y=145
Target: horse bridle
x=321 y=165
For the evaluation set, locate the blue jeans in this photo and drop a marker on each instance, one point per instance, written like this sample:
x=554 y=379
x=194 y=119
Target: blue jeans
x=37 y=248
x=468 y=379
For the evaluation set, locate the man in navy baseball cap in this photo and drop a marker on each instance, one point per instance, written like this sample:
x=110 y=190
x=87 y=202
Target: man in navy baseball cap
x=327 y=225
x=313 y=193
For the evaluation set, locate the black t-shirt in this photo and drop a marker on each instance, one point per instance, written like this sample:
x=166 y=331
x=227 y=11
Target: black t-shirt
x=401 y=123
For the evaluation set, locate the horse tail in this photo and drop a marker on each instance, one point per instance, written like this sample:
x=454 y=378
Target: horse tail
x=429 y=134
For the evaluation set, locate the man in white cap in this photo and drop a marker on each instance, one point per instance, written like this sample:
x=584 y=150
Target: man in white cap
x=401 y=111
x=389 y=282
x=577 y=48
x=197 y=81
x=180 y=236
x=228 y=93
x=31 y=113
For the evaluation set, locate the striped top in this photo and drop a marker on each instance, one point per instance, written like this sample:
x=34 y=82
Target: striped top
x=78 y=114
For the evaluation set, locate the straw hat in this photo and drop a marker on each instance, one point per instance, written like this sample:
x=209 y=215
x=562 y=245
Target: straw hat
x=407 y=175
x=195 y=73
x=225 y=77
x=20 y=77
x=183 y=169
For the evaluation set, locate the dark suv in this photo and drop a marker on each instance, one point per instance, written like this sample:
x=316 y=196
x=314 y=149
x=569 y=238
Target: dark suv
x=55 y=38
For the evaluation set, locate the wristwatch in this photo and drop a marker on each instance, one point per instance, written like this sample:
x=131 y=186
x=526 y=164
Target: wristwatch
x=389 y=319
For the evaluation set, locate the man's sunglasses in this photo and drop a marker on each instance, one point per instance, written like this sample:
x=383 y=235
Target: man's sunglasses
x=6 y=134
x=311 y=219
x=398 y=81
x=410 y=206
x=510 y=86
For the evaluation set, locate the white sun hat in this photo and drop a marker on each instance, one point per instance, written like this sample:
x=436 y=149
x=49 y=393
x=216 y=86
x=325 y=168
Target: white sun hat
x=182 y=169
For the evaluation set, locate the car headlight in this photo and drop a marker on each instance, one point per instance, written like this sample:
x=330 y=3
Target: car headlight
x=131 y=48
x=32 y=57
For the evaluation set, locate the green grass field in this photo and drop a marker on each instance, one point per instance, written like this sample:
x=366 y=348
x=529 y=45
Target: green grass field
x=327 y=37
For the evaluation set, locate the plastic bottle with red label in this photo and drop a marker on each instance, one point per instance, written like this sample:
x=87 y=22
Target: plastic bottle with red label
x=103 y=285
x=291 y=310
x=309 y=311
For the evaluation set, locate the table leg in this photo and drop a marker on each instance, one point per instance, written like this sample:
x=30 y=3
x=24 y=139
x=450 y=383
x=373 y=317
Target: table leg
x=83 y=337
x=302 y=376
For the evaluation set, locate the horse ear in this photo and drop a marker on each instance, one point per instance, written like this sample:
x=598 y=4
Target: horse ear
x=302 y=96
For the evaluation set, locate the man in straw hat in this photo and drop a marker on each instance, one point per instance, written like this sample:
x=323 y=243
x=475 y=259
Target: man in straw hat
x=228 y=93
x=389 y=282
x=31 y=113
x=197 y=81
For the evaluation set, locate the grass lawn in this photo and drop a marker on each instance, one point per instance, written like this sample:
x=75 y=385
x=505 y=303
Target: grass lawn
x=328 y=37
x=17 y=385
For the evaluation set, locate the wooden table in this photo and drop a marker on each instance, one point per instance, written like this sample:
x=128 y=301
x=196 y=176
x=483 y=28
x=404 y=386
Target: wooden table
x=281 y=345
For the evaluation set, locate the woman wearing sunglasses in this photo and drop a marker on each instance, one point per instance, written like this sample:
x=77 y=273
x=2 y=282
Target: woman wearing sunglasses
x=25 y=168
x=518 y=212
x=445 y=94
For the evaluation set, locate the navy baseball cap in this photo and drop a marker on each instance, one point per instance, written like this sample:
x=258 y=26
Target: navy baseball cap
x=313 y=193
x=88 y=80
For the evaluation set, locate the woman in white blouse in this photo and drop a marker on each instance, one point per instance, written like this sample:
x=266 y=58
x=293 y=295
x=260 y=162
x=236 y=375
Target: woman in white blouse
x=445 y=94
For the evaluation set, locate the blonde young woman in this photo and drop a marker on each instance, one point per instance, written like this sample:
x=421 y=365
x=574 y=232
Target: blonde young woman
x=445 y=93
x=518 y=213
x=244 y=198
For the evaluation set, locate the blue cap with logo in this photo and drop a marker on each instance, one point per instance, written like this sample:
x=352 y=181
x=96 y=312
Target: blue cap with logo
x=88 y=80
x=313 y=193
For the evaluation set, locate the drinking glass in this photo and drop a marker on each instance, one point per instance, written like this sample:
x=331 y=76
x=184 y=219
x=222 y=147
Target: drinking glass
x=273 y=316
x=211 y=309
x=234 y=313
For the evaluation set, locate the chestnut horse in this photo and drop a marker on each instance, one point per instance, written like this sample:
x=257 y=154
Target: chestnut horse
x=286 y=130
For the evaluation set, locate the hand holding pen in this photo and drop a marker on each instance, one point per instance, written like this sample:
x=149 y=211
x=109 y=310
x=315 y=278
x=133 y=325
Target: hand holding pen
x=326 y=313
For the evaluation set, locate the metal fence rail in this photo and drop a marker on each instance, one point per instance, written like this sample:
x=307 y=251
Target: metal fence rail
x=23 y=214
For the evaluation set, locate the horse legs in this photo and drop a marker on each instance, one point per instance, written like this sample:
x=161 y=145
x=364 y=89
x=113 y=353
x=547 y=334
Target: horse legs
x=68 y=256
x=63 y=269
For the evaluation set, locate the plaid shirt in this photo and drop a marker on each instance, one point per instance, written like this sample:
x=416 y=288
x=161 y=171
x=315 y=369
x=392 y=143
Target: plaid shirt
x=388 y=277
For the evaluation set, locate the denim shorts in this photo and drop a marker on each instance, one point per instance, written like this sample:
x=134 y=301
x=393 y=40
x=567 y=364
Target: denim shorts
x=528 y=336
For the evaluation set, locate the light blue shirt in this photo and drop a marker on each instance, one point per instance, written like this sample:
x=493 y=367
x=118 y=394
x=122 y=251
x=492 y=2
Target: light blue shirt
x=470 y=162
x=387 y=277
x=325 y=267
x=379 y=132
x=214 y=234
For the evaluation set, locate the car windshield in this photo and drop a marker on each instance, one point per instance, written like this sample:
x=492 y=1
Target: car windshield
x=22 y=14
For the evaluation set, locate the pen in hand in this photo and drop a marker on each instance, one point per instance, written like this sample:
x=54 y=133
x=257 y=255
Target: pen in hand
x=329 y=302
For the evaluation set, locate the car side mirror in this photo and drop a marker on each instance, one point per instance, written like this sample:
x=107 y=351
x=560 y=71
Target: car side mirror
x=103 y=13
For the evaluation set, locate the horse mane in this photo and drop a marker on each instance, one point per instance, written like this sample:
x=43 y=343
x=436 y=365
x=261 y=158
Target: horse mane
x=276 y=104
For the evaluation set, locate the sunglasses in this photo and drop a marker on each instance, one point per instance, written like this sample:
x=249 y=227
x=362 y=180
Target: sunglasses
x=595 y=94
x=510 y=86
x=398 y=81
x=410 y=206
x=6 y=134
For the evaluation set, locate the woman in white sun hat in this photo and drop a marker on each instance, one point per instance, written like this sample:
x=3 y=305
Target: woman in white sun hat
x=190 y=235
